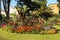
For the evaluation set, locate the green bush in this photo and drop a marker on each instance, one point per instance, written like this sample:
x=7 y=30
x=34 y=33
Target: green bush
x=57 y=15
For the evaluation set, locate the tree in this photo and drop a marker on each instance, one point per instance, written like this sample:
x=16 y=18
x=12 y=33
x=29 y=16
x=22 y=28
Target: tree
x=6 y=4
x=46 y=15
x=59 y=5
x=58 y=0
x=0 y=12
x=32 y=5
x=0 y=6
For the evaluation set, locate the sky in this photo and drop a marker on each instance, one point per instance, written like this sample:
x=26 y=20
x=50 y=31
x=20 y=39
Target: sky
x=13 y=2
x=51 y=1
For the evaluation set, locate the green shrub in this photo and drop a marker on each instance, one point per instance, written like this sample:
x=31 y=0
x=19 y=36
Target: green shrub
x=57 y=15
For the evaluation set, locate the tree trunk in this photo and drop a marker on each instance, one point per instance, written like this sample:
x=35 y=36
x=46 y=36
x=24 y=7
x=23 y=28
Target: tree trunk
x=0 y=12
x=0 y=6
x=6 y=4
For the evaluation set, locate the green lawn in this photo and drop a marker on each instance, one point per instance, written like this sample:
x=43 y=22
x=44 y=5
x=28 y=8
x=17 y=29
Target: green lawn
x=4 y=35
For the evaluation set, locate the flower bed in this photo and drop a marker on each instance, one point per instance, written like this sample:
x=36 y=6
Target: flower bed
x=33 y=26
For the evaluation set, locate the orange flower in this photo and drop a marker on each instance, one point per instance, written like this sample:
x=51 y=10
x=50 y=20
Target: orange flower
x=21 y=29
x=37 y=28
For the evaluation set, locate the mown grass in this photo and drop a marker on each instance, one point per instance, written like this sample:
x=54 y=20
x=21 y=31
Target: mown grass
x=4 y=35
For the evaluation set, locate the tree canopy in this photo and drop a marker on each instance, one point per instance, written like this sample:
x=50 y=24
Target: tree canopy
x=32 y=4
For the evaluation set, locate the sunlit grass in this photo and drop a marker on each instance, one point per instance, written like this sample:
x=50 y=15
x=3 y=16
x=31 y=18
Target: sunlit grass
x=57 y=26
x=4 y=35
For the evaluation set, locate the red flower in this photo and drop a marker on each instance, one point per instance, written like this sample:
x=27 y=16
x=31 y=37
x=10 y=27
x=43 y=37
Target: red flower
x=3 y=26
